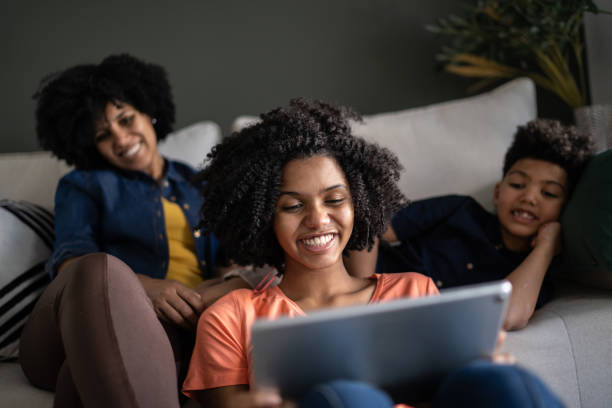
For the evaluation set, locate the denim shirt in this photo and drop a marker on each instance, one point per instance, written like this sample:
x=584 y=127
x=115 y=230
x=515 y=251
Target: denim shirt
x=120 y=213
x=455 y=241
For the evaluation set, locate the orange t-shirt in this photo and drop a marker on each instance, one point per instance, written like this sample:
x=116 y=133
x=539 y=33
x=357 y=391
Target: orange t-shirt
x=222 y=357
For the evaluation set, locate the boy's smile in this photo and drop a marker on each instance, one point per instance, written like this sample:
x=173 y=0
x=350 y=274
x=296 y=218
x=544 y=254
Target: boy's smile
x=531 y=194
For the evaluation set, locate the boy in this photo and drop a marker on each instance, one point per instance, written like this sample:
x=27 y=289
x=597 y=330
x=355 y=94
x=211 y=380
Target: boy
x=457 y=242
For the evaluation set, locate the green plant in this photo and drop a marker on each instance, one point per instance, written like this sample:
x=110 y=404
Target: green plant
x=498 y=39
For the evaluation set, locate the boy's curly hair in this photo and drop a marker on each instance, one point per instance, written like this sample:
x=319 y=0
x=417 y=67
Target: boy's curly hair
x=243 y=174
x=549 y=140
x=70 y=102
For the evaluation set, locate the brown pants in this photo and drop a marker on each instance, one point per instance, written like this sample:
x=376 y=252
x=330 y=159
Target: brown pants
x=94 y=339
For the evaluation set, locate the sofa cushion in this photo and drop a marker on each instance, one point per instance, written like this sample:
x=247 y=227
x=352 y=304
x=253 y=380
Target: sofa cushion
x=587 y=225
x=31 y=176
x=545 y=348
x=192 y=143
x=26 y=240
x=16 y=391
x=454 y=147
x=567 y=343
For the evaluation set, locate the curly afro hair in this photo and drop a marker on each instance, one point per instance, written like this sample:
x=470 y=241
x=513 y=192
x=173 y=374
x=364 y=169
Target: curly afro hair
x=70 y=102
x=243 y=175
x=549 y=140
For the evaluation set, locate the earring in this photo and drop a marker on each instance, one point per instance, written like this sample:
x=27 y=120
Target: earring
x=154 y=120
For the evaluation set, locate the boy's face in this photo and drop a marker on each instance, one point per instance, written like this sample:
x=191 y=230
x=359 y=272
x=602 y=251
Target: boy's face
x=531 y=194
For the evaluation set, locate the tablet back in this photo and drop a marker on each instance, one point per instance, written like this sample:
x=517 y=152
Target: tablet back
x=407 y=343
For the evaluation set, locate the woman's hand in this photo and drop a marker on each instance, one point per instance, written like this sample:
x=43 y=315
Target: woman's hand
x=173 y=301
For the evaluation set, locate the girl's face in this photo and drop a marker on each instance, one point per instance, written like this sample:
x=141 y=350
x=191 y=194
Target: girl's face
x=313 y=220
x=125 y=137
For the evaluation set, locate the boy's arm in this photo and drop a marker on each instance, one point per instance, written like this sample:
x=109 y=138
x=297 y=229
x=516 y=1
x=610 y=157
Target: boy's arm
x=527 y=278
x=412 y=221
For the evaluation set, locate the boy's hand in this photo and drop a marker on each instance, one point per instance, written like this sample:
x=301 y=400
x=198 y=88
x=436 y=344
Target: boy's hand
x=549 y=234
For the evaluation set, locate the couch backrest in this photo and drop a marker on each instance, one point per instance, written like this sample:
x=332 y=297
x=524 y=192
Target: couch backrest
x=451 y=147
x=457 y=146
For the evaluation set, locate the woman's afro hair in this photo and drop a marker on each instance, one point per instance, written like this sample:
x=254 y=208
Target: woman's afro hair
x=549 y=140
x=70 y=102
x=243 y=174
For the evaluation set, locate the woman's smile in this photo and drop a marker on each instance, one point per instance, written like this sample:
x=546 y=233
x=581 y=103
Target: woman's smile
x=131 y=150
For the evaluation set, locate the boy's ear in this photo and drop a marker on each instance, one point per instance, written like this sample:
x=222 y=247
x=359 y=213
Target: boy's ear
x=496 y=194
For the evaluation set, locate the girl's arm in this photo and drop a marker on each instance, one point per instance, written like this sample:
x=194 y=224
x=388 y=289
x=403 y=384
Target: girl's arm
x=527 y=278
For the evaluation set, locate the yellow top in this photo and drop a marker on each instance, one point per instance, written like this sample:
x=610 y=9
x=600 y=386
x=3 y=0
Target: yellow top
x=183 y=265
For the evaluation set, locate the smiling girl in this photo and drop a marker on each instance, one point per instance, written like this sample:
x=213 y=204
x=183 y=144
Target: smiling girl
x=296 y=191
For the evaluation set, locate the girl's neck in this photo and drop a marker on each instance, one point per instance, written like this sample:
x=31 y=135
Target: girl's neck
x=329 y=287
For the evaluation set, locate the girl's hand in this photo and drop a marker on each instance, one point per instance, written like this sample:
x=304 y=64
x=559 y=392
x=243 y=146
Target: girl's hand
x=262 y=399
x=173 y=301
x=498 y=356
x=240 y=396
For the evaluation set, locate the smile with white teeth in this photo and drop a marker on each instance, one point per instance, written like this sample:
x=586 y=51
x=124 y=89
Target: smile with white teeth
x=131 y=150
x=318 y=241
x=525 y=215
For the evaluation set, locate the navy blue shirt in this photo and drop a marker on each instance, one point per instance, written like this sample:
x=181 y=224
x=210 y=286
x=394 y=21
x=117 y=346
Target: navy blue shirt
x=120 y=213
x=453 y=240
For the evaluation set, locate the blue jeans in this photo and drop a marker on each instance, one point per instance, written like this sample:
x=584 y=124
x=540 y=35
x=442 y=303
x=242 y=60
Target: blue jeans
x=479 y=384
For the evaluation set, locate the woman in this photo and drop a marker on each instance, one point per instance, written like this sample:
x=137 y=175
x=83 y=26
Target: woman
x=296 y=191
x=131 y=274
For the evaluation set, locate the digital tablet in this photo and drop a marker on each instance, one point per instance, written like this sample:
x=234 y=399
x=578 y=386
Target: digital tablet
x=407 y=344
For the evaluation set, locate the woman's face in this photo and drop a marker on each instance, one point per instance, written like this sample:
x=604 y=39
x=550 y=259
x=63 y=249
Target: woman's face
x=314 y=214
x=125 y=137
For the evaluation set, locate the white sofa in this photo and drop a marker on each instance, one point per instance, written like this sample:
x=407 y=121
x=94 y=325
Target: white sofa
x=453 y=147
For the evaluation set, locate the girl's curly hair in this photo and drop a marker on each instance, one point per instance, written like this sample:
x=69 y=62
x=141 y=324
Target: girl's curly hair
x=70 y=102
x=551 y=141
x=243 y=174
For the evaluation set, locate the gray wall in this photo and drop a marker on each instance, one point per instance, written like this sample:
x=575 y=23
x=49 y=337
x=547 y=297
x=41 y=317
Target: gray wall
x=227 y=57
x=598 y=31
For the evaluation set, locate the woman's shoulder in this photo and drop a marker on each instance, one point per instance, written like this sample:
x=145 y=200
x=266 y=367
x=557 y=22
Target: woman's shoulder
x=395 y=285
x=88 y=180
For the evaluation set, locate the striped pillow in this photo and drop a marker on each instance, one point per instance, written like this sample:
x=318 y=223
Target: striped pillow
x=26 y=241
